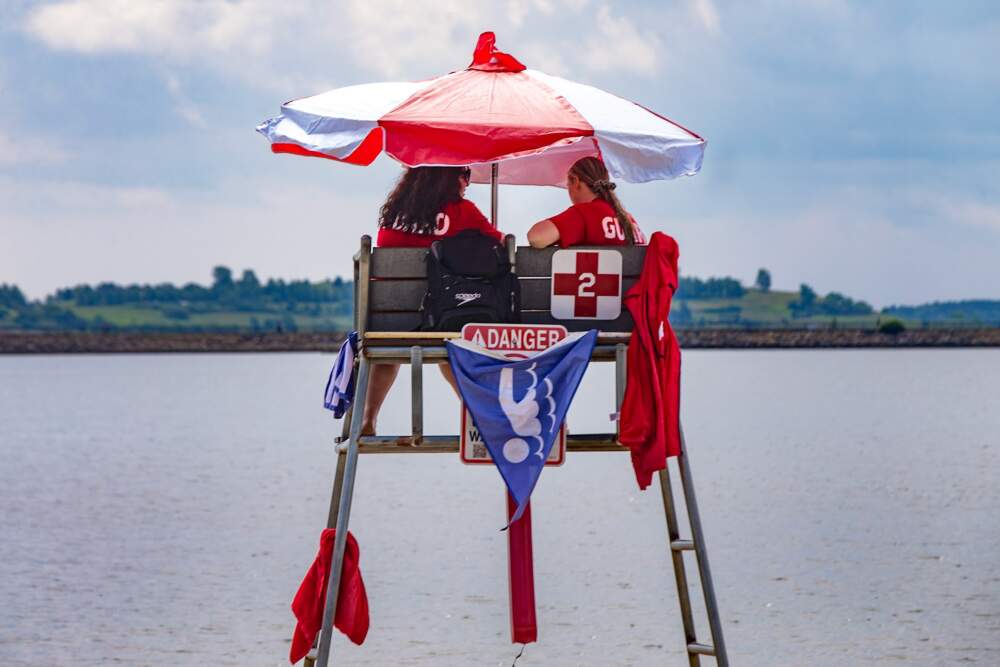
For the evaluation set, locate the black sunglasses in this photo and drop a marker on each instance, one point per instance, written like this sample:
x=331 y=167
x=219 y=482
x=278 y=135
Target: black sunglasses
x=467 y=174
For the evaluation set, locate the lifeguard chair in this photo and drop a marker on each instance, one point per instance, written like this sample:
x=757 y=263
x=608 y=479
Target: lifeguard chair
x=389 y=286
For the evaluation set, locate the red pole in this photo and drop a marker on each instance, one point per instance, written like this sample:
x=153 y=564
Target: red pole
x=523 y=623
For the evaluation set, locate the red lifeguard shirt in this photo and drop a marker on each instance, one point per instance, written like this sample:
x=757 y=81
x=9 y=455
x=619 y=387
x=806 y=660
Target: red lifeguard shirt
x=592 y=223
x=456 y=217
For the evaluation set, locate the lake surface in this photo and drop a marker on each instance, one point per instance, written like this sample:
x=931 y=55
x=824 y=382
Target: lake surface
x=161 y=510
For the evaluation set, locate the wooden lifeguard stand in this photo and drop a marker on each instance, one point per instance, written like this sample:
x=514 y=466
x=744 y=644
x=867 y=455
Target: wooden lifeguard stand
x=389 y=284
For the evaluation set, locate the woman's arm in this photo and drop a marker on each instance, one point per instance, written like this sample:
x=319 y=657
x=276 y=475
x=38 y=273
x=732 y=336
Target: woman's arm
x=543 y=234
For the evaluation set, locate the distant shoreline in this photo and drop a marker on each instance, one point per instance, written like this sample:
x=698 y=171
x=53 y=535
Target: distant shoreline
x=124 y=343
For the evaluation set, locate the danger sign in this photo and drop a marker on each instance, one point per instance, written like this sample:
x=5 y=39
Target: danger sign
x=515 y=341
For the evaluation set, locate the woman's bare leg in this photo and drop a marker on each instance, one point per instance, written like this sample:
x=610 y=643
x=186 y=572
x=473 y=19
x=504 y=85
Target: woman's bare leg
x=381 y=379
x=450 y=377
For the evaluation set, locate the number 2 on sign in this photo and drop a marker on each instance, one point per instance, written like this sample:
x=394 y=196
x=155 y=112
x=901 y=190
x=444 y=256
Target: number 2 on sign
x=587 y=281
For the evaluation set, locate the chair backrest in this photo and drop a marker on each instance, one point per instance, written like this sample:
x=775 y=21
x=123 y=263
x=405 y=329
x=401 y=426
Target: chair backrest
x=396 y=287
x=534 y=272
x=390 y=284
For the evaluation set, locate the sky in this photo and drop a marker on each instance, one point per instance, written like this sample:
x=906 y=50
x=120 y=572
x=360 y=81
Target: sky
x=853 y=146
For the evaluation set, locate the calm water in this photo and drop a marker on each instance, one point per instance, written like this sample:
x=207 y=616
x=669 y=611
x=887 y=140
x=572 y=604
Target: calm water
x=161 y=510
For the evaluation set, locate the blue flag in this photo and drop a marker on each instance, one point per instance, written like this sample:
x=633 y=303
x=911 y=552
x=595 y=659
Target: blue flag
x=518 y=406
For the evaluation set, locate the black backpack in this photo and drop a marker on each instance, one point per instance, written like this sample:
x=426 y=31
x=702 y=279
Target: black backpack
x=469 y=279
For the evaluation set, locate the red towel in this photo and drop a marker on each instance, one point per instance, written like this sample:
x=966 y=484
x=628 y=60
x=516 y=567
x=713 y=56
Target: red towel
x=650 y=414
x=352 y=602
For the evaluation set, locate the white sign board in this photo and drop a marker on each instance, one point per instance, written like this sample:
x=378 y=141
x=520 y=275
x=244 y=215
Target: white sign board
x=515 y=341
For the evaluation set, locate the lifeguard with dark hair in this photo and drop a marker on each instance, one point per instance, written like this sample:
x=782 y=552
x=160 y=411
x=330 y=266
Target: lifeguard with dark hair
x=596 y=217
x=427 y=204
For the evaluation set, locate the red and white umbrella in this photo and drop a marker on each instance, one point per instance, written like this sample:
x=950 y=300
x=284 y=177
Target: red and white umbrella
x=494 y=111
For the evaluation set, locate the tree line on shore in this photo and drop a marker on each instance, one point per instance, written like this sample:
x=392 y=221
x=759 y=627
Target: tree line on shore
x=247 y=292
x=247 y=303
x=273 y=305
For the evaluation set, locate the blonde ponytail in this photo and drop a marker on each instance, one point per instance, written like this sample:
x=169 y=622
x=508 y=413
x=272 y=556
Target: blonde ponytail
x=592 y=172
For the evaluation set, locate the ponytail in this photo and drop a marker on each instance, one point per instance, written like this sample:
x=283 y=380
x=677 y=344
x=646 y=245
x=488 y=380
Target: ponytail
x=605 y=190
x=595 y=176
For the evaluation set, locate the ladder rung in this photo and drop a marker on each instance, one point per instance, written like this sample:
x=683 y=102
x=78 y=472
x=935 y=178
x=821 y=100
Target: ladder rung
x=682 y=545
x=701 y=649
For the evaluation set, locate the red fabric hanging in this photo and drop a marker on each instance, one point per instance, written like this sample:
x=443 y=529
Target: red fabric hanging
x=486 y=58
x=352 y=602
x=650 y=414
x=523 y=619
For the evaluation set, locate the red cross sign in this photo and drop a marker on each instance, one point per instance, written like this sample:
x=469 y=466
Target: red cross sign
x=586 y=284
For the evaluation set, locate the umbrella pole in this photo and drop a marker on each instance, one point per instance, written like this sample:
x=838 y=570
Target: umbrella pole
x=494 y=191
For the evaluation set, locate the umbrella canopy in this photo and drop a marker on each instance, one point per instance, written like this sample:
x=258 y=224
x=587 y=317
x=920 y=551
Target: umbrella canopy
x=496 y=110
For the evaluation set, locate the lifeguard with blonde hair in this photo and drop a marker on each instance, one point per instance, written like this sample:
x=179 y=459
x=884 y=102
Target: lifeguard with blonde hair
x=596 y=216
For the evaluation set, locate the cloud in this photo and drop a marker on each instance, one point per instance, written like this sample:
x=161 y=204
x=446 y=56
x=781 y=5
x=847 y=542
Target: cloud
x=184 y=107
x=81 y=201
x=180 y=29
x=963 y=210
x=707 y=14
x=384 y=35
x=299 y=47
x=620 y=46
x=246 y=40
x=22 y=151
x=91 y=233
x=841 y=246
x=545 y=59
x=519 y=10
x=979 y=215
x=848 y=149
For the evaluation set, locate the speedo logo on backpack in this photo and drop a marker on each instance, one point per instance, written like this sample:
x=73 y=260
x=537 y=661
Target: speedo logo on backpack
x=469 y=279
x=467 y=297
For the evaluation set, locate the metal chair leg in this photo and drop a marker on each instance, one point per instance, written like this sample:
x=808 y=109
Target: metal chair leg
x=343 y=518
x=331 y=519
x=338 y=487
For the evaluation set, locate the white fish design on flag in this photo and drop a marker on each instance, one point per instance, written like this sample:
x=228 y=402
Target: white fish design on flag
x=518 y=406
x=523 y=414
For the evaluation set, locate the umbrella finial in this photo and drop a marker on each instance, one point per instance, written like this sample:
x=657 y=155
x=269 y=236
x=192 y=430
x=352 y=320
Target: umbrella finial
x=486 y=58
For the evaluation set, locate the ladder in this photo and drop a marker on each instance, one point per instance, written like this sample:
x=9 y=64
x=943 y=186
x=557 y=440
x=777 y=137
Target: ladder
x=696 y=544
x=379 y=347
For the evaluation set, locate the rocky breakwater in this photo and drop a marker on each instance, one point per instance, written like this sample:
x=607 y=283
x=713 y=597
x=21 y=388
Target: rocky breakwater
x=114 y=343
x=837 y=338
x=98 y=343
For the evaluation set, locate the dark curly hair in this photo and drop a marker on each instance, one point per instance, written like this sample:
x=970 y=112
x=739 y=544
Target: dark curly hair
x=420 y=194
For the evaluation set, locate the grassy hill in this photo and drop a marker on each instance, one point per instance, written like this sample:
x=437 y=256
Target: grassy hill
x=327 y=317
x=760 y=309
x=244 y=305
x=324 y=317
